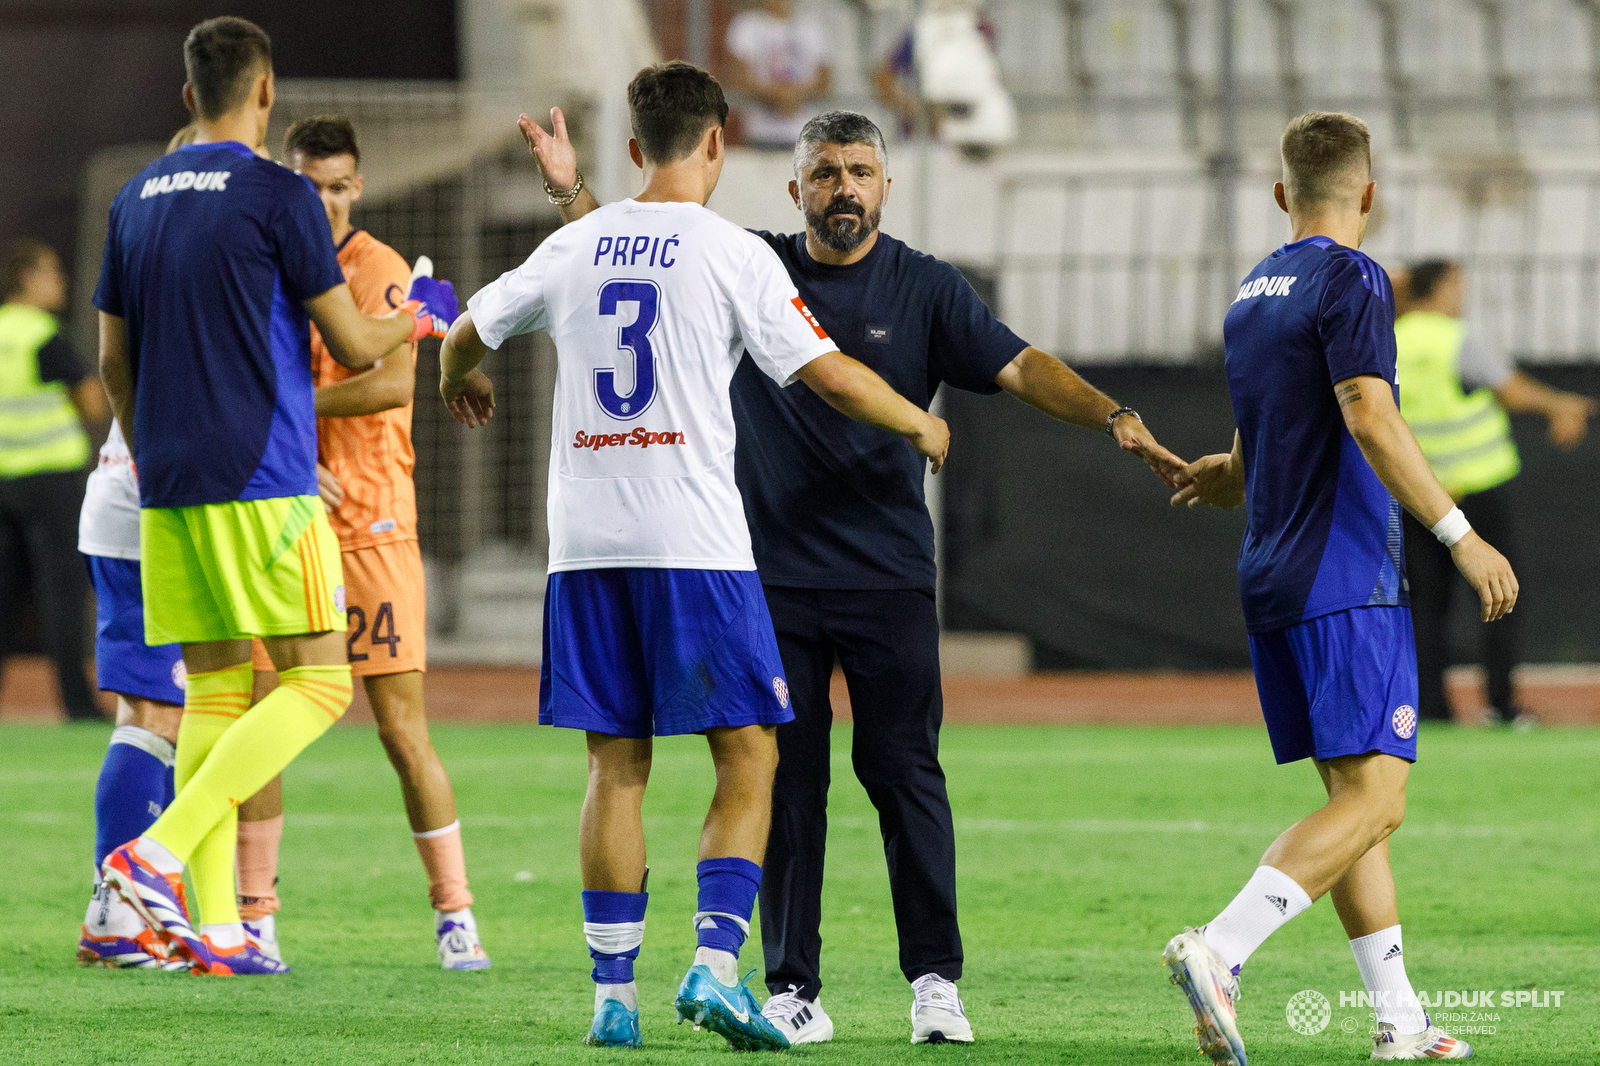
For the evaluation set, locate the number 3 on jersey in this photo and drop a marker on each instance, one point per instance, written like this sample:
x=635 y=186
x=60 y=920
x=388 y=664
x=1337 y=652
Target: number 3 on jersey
x=633 y=337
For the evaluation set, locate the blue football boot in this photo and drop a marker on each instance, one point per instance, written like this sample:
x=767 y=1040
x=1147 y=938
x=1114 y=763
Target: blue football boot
x=614 y=1025
x=731 y=1011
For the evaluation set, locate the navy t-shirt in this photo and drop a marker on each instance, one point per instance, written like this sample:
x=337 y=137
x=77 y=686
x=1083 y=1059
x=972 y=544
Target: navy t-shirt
x=211 y=251
x=1323 y=534
x=833 y=503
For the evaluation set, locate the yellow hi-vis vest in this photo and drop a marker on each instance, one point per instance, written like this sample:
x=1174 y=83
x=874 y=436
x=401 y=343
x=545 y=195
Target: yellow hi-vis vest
x=39 y=428
x=1466 y=437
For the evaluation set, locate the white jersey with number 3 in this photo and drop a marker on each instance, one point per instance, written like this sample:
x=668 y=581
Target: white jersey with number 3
x=651 y=306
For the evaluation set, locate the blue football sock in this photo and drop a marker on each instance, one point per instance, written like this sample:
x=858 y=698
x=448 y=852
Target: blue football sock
x=613 y=924
x=727 y=899
x=135 y=786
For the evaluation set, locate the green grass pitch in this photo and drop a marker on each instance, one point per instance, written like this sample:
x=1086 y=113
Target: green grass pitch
x=1081 y=851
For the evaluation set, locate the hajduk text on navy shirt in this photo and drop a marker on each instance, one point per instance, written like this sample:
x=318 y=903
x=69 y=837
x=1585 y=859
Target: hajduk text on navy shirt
x=1322 y=534
x=210 y=254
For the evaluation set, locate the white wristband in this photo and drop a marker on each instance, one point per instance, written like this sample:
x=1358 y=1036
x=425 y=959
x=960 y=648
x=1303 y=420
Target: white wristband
x=1452 y=527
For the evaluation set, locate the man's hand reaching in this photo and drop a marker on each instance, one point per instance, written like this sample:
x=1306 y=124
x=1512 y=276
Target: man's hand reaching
x=553 y=152
x=1211 y=480
x=1134 y=436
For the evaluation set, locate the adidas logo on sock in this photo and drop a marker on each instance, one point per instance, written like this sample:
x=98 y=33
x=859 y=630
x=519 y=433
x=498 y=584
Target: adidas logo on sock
x=1280 y=903
x=1393 y=953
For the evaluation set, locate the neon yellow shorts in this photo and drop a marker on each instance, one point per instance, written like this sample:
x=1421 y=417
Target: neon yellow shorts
x=230 y=571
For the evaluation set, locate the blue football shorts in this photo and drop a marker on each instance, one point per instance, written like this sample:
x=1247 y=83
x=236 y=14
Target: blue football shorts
x=123 y=661
x=636 y=652
x=1341 y=684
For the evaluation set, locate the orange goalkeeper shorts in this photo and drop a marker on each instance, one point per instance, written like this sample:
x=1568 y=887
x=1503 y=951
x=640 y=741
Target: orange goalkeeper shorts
x=386 y=603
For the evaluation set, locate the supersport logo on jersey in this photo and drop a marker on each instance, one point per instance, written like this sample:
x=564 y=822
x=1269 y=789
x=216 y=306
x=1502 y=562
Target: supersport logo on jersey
x=639 y=438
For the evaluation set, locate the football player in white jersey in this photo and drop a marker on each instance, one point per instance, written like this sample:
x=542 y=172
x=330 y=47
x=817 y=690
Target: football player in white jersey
x=135 y=782
x=655 y=622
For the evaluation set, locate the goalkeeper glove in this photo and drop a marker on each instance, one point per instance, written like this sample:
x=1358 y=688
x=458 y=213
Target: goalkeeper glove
x=432 y=303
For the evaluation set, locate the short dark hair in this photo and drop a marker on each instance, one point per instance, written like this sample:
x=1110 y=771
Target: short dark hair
x=838 y=127
x=1319 y=148
x=19 y=257
x=322 y=137
x=671 y=106
x=1428 y=274
x=220 y=56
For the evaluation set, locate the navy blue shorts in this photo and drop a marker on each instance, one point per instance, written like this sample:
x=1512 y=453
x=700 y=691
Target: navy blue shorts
x=123 y=661
x=636 y=652
x=1341 y=684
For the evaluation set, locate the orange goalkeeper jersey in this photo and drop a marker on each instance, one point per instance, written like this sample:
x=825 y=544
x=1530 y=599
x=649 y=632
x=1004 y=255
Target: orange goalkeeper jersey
x=371 y=455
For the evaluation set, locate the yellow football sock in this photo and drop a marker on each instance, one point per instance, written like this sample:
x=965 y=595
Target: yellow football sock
x=253 y=751
x=212 y=703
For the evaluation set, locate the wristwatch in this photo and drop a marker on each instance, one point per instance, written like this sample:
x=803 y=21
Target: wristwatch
x=1111 y=419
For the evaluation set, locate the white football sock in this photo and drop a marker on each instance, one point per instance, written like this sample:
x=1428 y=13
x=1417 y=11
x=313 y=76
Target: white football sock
x=628 y=994
x=1383 y=970
x=1265 y=904
x=156 y=854
x=724 y=965
x=226 y=935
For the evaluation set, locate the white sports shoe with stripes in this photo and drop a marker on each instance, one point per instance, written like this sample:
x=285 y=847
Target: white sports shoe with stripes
x=802 y=1020
x=937 y=1013
x=1432 y=1043
x=1212 y=989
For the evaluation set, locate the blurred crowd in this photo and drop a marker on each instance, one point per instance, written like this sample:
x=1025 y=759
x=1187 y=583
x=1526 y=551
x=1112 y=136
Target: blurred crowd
x=941 y=77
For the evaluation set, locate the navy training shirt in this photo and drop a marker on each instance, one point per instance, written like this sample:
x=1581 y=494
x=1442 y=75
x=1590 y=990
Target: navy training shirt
x=833 y=503
x=210 y=252
x=1323 y=534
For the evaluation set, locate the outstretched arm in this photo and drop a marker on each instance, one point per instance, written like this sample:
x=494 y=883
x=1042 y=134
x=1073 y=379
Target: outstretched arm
x=1374 y=421
x=355 y=340
x=854 y=389
x=1568 y=412
x=1041 y=380
x=558 y=162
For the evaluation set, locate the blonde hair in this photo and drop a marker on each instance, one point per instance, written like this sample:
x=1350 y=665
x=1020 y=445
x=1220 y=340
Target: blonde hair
x=1321 y=149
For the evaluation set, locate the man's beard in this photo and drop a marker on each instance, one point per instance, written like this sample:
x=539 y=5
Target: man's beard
x=843 y=225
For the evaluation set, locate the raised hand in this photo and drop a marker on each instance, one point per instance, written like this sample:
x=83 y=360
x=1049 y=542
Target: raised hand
x=1211 y=480
x=471 y=400
x=431 y=302
x=553 y=152
x=1134 y=436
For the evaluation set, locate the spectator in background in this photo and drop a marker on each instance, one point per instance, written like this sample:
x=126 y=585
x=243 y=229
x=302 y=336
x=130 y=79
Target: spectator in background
x=781 y=60
x=46 y=396
x=944 y=72
x=1455 y=389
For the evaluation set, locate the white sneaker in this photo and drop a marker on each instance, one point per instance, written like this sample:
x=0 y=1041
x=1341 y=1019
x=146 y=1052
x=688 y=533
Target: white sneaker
x=1432 y=1043
x=1212 y=989
x=459 y=947
x=937 y=1016
x=802 y=1020
x=262 y=934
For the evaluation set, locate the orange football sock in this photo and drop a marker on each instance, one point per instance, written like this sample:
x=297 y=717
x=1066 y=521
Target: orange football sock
x=258 y=867
x=446 y=864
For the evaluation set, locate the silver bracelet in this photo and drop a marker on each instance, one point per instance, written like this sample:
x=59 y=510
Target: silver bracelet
x=563 y=199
